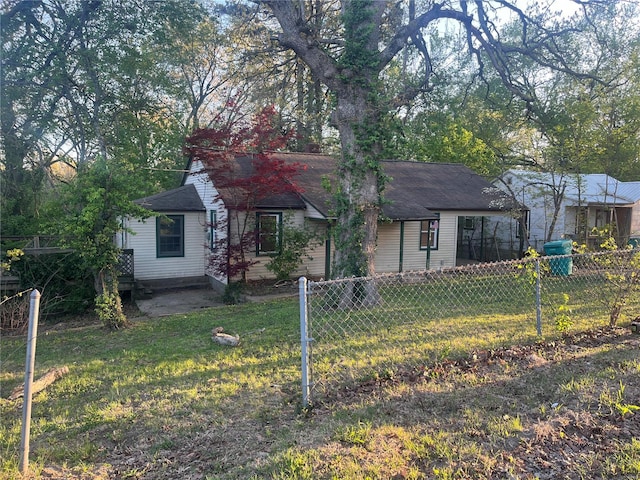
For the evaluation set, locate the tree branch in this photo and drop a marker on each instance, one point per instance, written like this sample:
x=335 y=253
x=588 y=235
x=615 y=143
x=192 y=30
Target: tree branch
x=297 y=36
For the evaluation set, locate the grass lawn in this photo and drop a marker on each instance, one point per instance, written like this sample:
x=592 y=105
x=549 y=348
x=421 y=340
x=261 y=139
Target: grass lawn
x=160 y=400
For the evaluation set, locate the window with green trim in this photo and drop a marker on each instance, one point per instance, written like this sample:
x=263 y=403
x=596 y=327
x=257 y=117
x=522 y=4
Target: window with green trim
x=268 y=233
x=213 y=230
x=170 y=236
x=429 y=234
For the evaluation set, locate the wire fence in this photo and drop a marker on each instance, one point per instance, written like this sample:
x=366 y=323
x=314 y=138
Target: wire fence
x=358 y=329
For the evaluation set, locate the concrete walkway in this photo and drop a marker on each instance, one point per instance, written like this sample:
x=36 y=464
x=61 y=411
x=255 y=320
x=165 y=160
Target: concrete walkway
x=184 y=300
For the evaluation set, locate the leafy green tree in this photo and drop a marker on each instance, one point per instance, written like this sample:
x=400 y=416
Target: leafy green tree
x=83 y=79
x=92 y=207
x=205 y=86
x=268 y=74
x=438 y=139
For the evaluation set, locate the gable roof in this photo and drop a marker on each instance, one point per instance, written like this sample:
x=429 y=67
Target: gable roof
x=181 y=199
x=414 y=192
x=290 y=200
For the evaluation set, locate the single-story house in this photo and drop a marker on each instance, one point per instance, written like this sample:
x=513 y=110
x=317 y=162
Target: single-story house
x=571 y=206
x=431 y=210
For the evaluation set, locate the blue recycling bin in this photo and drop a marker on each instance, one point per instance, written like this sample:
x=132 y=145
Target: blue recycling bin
x=559 y=266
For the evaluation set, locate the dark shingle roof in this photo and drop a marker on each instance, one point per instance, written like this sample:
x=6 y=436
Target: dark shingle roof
x=181 y=199
x=415 y=189
x=283 y=201
x=441 y=186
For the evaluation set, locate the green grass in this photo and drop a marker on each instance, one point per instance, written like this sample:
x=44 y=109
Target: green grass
x=158 y=369
x=160 y=400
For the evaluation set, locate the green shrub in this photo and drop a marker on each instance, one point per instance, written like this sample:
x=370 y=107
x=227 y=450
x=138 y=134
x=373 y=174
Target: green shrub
x=65 y=286
x=232 y=293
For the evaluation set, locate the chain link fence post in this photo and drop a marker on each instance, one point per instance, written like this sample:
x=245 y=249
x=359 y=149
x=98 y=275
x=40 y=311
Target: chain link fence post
x=304 y=342
x=34 y=315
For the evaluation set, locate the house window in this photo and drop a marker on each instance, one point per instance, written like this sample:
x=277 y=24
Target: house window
x=603 y=218
x=213 y=230
x=170 y=236
x=429 y=234
x=268 y=228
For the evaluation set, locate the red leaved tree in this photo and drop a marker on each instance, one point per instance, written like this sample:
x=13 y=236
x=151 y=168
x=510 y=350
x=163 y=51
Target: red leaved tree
x=241 y=165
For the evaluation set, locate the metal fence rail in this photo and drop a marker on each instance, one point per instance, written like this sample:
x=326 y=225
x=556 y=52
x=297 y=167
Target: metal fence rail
x=357 y=329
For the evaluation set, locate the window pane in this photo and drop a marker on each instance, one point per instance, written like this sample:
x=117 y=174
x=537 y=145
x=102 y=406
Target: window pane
x=268 y=233
x=423 y=239
x=170 y=236
x=170 y=244
x=429 y=234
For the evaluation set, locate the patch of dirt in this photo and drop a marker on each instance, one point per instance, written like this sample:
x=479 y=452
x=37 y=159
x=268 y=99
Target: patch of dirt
x=259 y=288
x=483 y=362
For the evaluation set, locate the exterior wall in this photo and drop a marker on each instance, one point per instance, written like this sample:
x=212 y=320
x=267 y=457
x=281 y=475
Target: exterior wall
x=388 y=247
x=388 y=250
x=536 y=192
x=570 y=222
x=314 y=267
x=209 y=195
x=147 y=266
x=541 y=212
x=595 y=191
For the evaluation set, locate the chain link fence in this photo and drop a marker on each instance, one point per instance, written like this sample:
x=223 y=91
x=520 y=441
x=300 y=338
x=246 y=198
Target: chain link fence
x=359 y=329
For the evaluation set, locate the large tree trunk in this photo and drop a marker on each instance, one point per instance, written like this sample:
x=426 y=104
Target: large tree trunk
x=359 y=199
x=359 y=196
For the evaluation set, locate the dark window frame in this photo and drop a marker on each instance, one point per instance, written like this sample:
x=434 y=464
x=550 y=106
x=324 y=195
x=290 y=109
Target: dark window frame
x=432 y=228
x=277 y=235
x=165 y=238
x=469 y=223
x=213 y=230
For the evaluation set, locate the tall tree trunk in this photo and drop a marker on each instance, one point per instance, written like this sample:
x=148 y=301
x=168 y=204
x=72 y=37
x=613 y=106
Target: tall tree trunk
x=359 y=197
x=359 y=194
x=558 y=197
